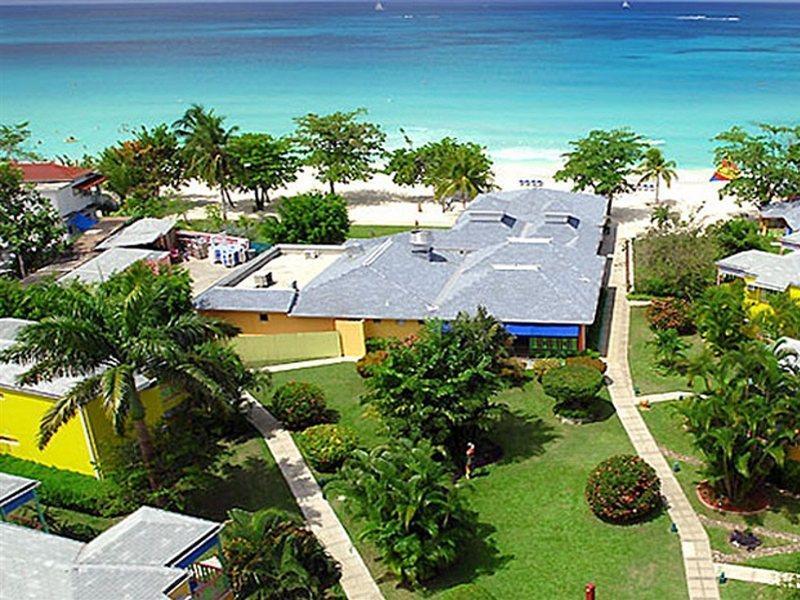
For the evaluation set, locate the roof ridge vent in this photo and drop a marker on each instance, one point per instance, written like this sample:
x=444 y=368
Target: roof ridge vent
x=376 y=253
x=530 y=240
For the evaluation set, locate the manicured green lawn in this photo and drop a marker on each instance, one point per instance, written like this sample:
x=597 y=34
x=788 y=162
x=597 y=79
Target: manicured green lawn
x=371 y=231
x=740 y=590
x=539 y=539
x=647 y=378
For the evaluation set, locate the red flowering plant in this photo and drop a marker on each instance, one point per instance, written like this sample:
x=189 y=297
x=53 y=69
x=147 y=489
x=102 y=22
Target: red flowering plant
x=623 y=489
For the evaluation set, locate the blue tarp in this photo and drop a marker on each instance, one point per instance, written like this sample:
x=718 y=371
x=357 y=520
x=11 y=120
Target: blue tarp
x=550 y=331
x=82 y=222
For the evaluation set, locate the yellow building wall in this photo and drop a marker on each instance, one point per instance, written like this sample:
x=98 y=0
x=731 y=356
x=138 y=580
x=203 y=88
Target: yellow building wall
x=351 y=334
x=390 y=328
x=251 y=323
x=794 y=293
x=20 y=415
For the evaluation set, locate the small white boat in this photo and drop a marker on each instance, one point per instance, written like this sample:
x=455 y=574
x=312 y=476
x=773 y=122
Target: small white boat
x=378 y=6
x=626 y=5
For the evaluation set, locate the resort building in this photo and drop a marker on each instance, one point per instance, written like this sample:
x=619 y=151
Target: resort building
x=74 y=191
x=781 y=215
x=763 y=273
x=150 y=554
x=531 y=257
x=82 y=443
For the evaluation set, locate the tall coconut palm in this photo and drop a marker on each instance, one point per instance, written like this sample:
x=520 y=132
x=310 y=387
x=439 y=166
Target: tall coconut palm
x=137 y=327
x=655 y=167
x=463 y=173
x=205 y=149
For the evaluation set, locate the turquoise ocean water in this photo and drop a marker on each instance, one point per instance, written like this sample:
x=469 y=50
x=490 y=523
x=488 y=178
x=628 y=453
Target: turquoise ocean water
x=522 y=78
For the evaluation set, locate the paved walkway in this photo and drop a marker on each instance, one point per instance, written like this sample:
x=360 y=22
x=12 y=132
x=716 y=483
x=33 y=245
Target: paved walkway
x=697 y=561
x=304 y=364
x=665 y=397
x=753 y=575
x=356 y=581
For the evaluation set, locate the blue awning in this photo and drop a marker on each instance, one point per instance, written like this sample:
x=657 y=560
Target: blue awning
x=552 y=331
x=17 y=501
x=82 y=222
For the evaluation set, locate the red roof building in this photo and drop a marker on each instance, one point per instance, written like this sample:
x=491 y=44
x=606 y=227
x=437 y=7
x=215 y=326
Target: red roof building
x=50 y=172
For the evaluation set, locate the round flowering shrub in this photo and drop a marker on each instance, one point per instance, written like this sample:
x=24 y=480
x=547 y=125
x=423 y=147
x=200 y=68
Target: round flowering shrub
x=670 y=313
x=369 y=361
x=542 y=366
x=327 y=446
x=623 y=489
x=574 y=388
x=299 y=405
x=588 y=361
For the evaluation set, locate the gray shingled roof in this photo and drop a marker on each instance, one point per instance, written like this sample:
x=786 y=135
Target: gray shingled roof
x=789 y=211
x=54 y=388
x=13 y=486
x=528 y=256
x=791 y=241
x=143 y=232
x=114 y=260
x=771 y=271
x=132 y=560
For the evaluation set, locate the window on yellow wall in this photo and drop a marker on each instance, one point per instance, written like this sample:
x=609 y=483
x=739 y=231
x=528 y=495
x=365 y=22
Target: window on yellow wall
x=401 y=321
x=263 y=317
x=377 y=320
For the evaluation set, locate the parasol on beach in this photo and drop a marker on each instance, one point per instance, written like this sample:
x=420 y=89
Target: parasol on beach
x=726 y=171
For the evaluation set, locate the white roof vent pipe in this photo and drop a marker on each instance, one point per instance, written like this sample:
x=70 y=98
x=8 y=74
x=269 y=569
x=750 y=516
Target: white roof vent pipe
x=421 y=240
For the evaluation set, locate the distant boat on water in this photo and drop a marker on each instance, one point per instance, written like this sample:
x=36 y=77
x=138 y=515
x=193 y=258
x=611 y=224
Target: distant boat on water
x=626 y=5
x=378 y=6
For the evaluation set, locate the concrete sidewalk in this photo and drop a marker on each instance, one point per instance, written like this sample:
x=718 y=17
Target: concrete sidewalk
x=305 y=364
x=754 y=575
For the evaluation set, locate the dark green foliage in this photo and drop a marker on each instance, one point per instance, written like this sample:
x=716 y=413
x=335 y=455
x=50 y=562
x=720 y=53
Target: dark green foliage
x=13 y=142
x=745 y=417
x=30 y=229
x=588 y=361
x=38 y=300
x=138 y=168
x=572 y=382
x=369 y=361
x=542 y=366
x=670 y=313
x=669 y=350
x=311 y=218
x=327 y=446
x=440 y=386
x=767 y=160
x=63 y=489
x=623 y=489
x=676 y=262
x=271 y=555
x=339 y=146
x=738 y=235
x=603 y=161
x=299 y=405
x=721 y=318
x=413 y=513
x=75 y=530
x=262 y=163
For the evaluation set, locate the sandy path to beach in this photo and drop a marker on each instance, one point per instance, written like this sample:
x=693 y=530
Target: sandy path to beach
x=380 y=202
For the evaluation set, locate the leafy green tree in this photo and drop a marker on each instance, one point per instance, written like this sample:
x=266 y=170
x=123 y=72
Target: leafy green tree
x=745 y=417
x=738 y=235
x=144 y=164
x=271 y=555
x=136 y=325
x=13 y=142
x=454 y=170
x=205 y=150
x=30 y=228
x=767 y=160
x=311 y=218
x=603 y=161
x=654 y=167
x=414 y=514
x=669 y=349
x=37 y=300
x=339 y=146
x=721 y=318
x=439 y=387
x=262 y=163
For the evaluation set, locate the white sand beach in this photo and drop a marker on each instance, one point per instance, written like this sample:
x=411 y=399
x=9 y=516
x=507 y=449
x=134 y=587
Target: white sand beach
x=381 y=202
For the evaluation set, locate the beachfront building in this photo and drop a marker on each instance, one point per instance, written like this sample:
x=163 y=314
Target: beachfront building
x=783 y=215
x=764 y=273
x=75 y=192
x=531 y=257
x=150 y=554
x=83 y=443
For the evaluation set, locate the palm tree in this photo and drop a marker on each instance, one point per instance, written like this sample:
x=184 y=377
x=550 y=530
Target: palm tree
x=655 y=166
x=463 y=174
x=205 y=149
x=138 y=326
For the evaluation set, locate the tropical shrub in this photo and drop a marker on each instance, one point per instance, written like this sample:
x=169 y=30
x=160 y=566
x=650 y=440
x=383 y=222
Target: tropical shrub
x=669 y=349
x=67 y=527
x=439 y=386
x=574 y=388
x=414 y=514
x=271 y=555
x=327 y=446
x=63 y=489
x=623 y=489
x=670 y=313
x=542 y=366
x=369 y=361
x=587 y=361
x=311 y=218
x=299 y=404
x=738 y=235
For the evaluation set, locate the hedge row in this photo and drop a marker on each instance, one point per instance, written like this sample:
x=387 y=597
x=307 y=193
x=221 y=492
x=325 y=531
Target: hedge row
x=65 y=489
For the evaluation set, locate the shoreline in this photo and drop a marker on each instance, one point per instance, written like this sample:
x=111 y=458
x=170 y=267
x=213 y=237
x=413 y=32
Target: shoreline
x=379 y=201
